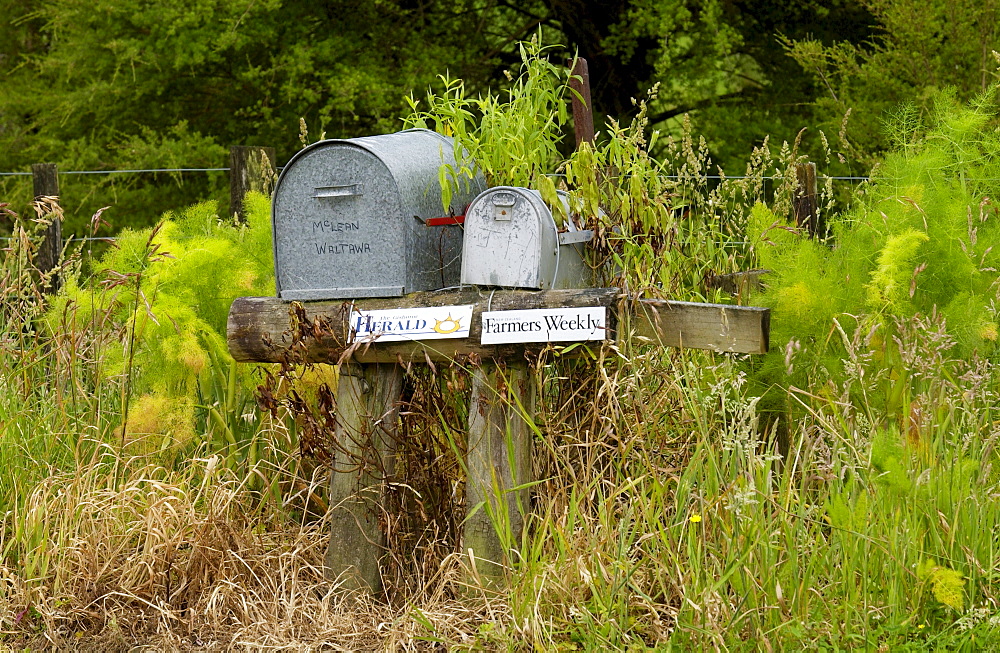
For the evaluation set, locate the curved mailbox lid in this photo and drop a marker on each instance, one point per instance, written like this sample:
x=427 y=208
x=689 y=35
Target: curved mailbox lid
x=414 y=158
x=510 y=240
x=343 y=218
x=331 y=202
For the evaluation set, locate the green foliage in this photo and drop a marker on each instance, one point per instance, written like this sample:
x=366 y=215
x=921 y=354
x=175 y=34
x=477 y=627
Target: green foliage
x=132 y=85
x=922 y=239
x=512 y=136
x=119 y=402
x=946 y=584
x=719 y=63
x=162 y=290
x=770 y=237
x=888 y=287
x=919 y=49
x=126 y=85
x=661 y=229
x=666 y=517
x=890 y=463
x=684 y=502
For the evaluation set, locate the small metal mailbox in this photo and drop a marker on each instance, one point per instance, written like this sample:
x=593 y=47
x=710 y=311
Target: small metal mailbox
x=350 y=218
x=511 y=241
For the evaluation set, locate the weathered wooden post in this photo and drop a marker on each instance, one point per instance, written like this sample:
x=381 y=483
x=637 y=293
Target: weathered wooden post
x=45 y=178
x=498 y=464
x=583 y=107
x=250 y=168
x=806 y=200
x=366 y=433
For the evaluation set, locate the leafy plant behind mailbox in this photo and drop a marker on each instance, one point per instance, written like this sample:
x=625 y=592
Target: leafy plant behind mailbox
x=661 y=229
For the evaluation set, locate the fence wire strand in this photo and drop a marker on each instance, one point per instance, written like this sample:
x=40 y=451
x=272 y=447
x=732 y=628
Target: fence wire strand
x=279 y=168
x=117 y=172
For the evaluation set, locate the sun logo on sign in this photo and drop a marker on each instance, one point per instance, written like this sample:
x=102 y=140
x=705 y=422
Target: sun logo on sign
x=447 y=325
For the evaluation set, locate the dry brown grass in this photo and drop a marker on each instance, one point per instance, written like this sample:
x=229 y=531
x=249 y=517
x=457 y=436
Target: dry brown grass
x=127 y=554
x=142 y=563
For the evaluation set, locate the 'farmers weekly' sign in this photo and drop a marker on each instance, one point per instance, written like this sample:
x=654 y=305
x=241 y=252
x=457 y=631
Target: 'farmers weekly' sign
x=544 y=325
x=412 y=323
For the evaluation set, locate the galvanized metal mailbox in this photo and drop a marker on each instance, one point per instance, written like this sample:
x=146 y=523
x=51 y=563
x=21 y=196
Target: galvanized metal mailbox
x=512 y=241
x=362 y=217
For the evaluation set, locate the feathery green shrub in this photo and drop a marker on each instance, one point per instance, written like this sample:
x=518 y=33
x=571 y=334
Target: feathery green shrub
x=165 y=292
x=922 y=239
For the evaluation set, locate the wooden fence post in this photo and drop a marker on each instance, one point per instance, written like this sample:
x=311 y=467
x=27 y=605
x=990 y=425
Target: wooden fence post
x=498 y=461
x=368 y=401
x=45 y=178
x=250 y=168
x=583 y=106
x=806 y=199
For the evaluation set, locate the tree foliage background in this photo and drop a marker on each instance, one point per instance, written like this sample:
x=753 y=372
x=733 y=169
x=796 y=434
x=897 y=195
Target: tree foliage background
x=127 y=84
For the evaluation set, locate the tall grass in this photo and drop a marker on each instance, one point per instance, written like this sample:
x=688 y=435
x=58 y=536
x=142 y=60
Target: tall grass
x=112 y=536
x=665 y=516
x=677 y=524
x=669 y=516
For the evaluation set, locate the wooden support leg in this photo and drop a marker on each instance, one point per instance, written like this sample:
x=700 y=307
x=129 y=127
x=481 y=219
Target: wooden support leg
x=498 y=460
x=368 y=398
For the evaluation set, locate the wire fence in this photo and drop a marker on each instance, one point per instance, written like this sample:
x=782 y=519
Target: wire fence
x=116 y=172
x=279 y=168
x=85 y=239
x=845 y=178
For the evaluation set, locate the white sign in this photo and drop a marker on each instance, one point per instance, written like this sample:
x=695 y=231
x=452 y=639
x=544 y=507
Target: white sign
x=433 y=323
x=545 y=325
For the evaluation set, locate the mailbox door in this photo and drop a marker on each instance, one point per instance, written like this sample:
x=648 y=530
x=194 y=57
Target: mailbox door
x=337 y=226
x=510 y=240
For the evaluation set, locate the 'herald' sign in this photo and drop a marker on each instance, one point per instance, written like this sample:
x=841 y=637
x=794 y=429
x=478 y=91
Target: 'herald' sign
x=545 y=325
x=398 y=324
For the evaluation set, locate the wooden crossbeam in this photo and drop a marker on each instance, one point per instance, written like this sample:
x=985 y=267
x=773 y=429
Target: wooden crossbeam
x=260 y=328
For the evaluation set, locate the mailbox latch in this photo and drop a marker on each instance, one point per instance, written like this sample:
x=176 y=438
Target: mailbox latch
x=503 y=205
x=346 y=190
